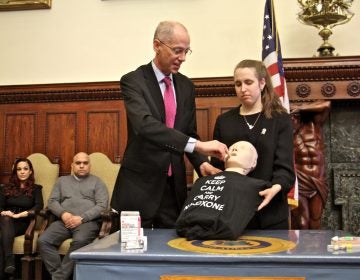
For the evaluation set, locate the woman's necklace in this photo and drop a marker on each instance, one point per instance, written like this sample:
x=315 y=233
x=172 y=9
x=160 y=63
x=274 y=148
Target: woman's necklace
x=251 y=126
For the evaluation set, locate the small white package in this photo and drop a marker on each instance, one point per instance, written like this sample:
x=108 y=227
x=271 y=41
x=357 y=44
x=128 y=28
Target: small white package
x=132 y=236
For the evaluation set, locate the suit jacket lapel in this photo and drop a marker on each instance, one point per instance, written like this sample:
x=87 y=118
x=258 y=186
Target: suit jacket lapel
x=154 y=90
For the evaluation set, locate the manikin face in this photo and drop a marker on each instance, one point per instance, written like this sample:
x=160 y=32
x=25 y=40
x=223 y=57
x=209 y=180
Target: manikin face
x=171 y=52
x=248 y=87
x=23 y=171
x=243 y=155
x=81 y=165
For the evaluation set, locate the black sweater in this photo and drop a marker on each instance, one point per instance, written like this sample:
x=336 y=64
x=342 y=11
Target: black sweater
x=18 y=204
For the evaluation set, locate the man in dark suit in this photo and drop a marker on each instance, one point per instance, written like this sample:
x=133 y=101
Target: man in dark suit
x=152 y=177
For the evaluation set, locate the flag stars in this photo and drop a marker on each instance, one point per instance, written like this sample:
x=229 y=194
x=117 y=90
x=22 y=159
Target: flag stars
x=269 y=37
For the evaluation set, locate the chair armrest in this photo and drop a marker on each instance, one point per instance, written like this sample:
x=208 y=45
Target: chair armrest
x=45 y=213
x=110 y=223
x=29 y=233
x=48 y=218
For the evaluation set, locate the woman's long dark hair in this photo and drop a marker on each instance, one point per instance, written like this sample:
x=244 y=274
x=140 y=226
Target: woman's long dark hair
x=13 y=187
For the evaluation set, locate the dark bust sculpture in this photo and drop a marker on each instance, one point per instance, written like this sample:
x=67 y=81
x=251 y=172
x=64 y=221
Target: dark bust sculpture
x=308 y=119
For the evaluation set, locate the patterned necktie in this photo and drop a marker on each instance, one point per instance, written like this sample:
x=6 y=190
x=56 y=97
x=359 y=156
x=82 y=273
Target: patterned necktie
x=170 y=107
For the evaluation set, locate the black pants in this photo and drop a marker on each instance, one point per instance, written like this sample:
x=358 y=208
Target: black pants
x=168 y=211
x=9 y=229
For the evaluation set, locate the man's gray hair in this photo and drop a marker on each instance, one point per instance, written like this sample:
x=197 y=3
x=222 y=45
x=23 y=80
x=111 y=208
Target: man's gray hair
x=165 y=30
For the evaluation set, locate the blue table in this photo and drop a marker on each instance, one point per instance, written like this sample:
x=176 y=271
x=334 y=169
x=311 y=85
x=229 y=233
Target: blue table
x=310 y=259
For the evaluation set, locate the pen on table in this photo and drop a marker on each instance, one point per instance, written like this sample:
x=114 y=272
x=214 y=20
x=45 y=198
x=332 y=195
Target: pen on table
x=345 y=239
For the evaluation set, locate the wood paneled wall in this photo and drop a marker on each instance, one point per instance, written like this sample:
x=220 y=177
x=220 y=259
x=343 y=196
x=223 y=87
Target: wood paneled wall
x=62 y=119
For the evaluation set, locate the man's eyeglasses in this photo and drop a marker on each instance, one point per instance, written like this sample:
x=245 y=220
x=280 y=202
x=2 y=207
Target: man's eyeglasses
x=177 y=51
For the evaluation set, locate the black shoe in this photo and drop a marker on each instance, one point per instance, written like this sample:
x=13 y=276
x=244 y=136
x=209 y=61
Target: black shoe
x=9 y=265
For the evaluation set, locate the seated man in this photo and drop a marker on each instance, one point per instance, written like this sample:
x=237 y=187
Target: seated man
x=220 y=206
x=77 y=200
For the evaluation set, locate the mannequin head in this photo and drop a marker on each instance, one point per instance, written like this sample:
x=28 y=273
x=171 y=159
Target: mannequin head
x=242 y=157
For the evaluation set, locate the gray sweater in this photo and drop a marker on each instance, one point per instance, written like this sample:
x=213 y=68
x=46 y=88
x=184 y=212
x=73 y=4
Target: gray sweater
x=85 y=197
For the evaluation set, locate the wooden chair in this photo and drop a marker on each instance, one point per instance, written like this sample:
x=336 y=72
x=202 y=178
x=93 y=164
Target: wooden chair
x=102 y=167
x=46 y=173
x=105 y=169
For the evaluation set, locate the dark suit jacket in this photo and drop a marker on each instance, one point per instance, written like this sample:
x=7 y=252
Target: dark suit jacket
x=151 y=146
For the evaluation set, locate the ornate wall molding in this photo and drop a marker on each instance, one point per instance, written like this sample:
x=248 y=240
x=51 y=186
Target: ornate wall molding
x=308 y=71
x=353 y=89
x=328 y=90
x=323 y=78
x=214 y=87
x=48 y=93
x=307 y=79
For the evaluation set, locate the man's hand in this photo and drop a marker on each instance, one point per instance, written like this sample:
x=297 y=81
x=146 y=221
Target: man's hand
x=212 y=148
x=65 y=217
x=268 y=195
x=74 y=222
x=207 y=169
x=70 y=220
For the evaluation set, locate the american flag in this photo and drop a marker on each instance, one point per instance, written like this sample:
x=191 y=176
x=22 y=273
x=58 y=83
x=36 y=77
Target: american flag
x=271 y=56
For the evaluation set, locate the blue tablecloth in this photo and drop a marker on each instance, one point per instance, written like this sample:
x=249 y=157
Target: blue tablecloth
x=104 y=259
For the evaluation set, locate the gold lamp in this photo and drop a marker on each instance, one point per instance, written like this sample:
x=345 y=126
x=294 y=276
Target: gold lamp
x=325 y=14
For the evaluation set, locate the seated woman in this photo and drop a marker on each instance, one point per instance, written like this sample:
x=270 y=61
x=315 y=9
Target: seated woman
x=220 y=206
x=17 y=197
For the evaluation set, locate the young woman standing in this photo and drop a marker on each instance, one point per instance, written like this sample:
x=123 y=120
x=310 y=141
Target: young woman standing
x=263 y=121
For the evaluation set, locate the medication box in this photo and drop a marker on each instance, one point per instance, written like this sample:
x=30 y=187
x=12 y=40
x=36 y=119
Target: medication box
x=132 y=236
